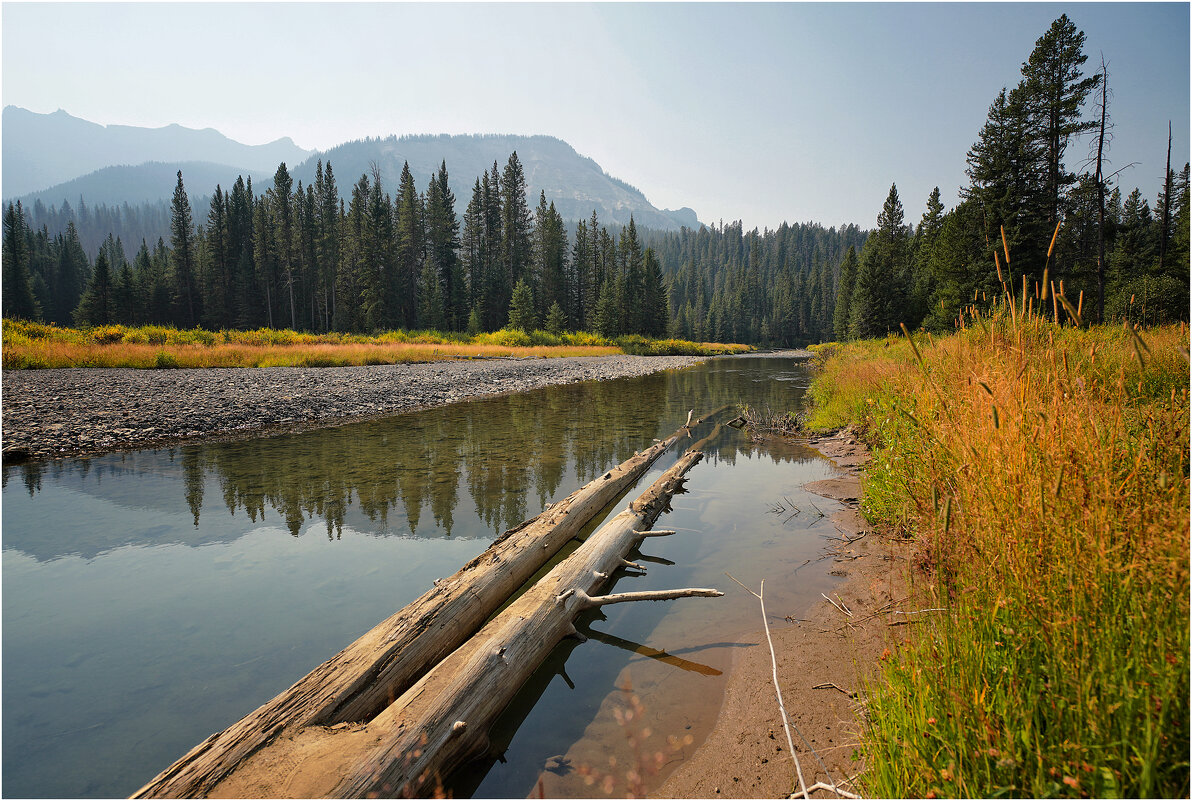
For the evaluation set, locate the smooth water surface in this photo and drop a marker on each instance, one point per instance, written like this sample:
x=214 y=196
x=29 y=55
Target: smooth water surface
x=154 y=597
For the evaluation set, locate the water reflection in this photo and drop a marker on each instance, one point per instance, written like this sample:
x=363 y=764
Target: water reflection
x=153 y=597
x=500 y=459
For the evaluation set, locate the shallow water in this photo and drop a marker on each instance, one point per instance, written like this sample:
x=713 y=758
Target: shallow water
x=154 y=597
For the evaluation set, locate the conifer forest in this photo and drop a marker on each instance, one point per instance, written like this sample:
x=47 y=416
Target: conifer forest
x=1041 y=201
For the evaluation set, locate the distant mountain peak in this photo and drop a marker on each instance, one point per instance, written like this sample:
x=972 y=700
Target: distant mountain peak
x=52 y=156
x=43 y=150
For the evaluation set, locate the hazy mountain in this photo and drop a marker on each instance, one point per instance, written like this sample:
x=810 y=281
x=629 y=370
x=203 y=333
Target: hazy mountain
x=575 y=183
x=56 y=157
x=147 y=183
x=43 y=150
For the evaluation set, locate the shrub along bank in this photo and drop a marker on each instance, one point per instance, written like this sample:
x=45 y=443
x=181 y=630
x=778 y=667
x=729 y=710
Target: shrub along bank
x=1042 y=473
x=34 y=345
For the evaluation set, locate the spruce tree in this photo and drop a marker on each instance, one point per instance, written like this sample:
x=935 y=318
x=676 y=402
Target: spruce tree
x=442 y=244
x=844 y=295
x=410 y=242
x=430 y=297
x=1055 y=91
x=655 y=304
x=17 y=290
x=96 y=306
x=521 y=308
x=556 y=320
x=182 y=242
x=516 y=223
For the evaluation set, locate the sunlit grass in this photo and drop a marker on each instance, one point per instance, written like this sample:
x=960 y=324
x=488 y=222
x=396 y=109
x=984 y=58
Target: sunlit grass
x=1042 y=472
x=33 y=345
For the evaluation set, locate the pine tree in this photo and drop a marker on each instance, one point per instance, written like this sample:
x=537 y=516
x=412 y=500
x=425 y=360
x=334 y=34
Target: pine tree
x=879 y=296
x=921 y=283
x=521 y=308
x=1005 y=170
x=182 y=242
x=280 y=201
x=516 y=224
x=430 y=297
x=410 y=242
x=550 y=256
x=96 y=305
x=556 y=320
x=655 y=304
x=1055 y=91
x=844 y=295
x=327 y=215
x=442 y=244
x=17 y=290
x=219 y=272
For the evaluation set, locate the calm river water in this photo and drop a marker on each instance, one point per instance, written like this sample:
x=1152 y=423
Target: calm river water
x=154 y=597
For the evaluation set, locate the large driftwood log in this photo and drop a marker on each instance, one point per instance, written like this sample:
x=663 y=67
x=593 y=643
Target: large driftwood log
x=383 y=663
x=442 y=721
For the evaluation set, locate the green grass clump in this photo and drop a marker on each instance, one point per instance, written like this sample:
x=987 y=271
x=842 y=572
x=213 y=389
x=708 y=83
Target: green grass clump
x=1043 y=474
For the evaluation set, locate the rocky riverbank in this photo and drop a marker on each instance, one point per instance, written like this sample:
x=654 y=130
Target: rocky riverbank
x=51 y=414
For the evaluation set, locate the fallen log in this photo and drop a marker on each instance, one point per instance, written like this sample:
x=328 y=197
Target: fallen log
x=442 y=721
x=384 y=662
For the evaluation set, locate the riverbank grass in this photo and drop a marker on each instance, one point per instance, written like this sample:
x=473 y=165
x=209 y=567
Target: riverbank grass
x=1041 y=474
x=33 y=345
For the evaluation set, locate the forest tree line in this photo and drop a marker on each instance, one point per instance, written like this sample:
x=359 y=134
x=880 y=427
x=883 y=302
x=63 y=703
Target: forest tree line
x=311 y=258
x=303 y=258
x=1126 y=258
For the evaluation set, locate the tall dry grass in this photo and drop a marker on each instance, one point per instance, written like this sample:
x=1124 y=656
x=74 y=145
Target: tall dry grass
x=33 y=345
x=1042 y=472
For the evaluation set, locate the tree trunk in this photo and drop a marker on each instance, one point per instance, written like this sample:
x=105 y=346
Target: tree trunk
x=442 y=721
x=378 y=667
x=1101 y=196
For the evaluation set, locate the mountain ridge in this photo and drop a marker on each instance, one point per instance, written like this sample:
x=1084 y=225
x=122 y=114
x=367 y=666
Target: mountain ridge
x=40 y=145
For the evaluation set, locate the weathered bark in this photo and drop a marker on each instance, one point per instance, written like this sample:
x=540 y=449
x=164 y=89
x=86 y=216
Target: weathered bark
x=442 y=721
x=382 y=664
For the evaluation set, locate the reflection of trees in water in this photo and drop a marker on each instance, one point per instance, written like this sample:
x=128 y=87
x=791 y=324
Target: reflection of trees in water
x=511 y=454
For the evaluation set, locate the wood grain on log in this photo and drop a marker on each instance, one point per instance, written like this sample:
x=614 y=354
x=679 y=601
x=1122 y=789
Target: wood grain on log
x=383 y=663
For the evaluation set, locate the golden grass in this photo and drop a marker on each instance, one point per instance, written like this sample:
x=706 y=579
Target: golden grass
x=31 y=345
x=1042 y=472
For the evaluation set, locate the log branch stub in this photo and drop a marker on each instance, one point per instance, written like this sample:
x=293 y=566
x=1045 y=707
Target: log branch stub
x=471 y=685
x=387 y=660
x=588 y=602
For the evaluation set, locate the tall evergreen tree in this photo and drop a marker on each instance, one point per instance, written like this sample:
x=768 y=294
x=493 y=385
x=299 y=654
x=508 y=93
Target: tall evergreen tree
x=655 y=304
x=1055 y=91
x=96 y=306
x=521 y=307
x=442 y=245
x=17 y=290
x=516 y=224
x=410 y=242
x=844 y=295
x=182 y=243
x=879 y=296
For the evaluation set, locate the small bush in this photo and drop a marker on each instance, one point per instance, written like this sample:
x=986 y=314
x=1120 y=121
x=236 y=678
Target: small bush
x=165 y=361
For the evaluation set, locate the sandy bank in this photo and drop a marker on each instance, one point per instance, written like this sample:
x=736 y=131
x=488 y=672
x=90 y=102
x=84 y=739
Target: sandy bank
x=823 y=659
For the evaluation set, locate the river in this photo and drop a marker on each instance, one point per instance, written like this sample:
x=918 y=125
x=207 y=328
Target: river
x=153 y=597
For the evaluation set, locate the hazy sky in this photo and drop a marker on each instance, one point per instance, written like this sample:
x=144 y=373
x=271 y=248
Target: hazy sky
x=760 y=112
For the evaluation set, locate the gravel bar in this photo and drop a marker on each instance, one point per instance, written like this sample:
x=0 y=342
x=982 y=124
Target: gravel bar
x=50 y=414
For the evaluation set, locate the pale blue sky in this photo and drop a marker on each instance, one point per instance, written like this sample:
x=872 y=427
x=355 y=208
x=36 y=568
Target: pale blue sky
x=760 y=112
